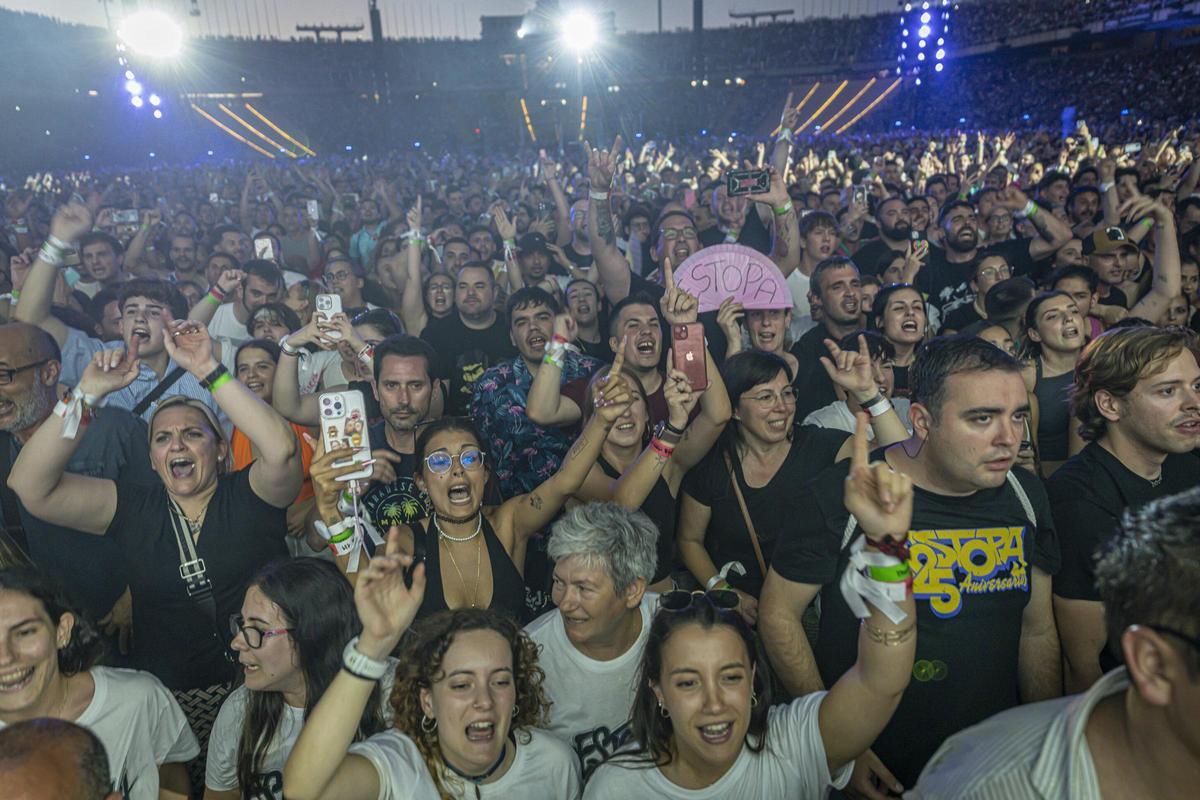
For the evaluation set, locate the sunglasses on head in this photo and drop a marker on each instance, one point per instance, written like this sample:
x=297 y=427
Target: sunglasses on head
x=440 y=462
x=682 y=599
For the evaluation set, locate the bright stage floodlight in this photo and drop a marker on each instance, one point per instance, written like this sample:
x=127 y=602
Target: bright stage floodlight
x=155 y=100
x=151 y=33
x=579 y=31
x=133 y=87
x=136 y=101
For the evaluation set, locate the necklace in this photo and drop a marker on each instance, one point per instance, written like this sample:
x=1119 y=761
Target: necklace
x=478 y=563
x=478 y=779
x=1156 y=481
x=444 y=535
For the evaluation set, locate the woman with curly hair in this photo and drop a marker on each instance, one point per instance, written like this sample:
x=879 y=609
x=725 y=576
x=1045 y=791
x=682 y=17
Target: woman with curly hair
x=466 y=701
x=48 y=669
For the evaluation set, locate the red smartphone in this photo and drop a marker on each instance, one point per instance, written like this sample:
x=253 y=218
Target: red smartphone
x=687 y=353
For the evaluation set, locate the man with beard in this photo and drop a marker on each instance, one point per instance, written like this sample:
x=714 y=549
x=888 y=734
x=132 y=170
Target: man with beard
x=470 y=340
x=231 y=241
x=524 y=454
x=1137 y=398
x=837 y=288
x=945 y=280
x=583 y=304
x=114 y=446
x=181 y=258
x=405 y=388
x=103 y=261
x=261 y=283
x=1083 y=209
x=895 y=231
x=146 y=306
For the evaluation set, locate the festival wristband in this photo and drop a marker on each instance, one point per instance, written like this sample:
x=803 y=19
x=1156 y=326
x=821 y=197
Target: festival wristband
x=879 y=407
x=51 y=255
x=1104 y=187
x=722 y=575
x=858 y=589
x=286 y=348
x=897 y=573
x=1029 y=210
x=76 y=410
x=212 y=298
x=785 y=134
x=54 y=241
x=597 y=195
x=330 y=532
x=662 y=448
x=783 y=210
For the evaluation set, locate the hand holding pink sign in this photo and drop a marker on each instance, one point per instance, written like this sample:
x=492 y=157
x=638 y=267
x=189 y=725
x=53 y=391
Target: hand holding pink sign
x=732 y=270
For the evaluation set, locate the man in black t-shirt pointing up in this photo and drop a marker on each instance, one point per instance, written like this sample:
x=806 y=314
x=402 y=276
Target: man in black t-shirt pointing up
x=982 y=553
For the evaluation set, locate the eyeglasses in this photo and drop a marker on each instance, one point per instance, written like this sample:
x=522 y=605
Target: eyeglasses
x=991 y=273
x=6 y=375
x=340 y=275
x=682 y=599
x=671 y=234
x=440 y=462
x=253 y=636
x=771 y=399
x=1178 y=634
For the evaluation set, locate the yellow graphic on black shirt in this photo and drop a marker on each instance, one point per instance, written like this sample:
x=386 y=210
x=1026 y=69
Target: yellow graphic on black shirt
x=947 y=564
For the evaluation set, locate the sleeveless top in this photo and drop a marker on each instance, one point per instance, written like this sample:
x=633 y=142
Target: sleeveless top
x=661 y=507
x=508 y=588
x=1054 y=418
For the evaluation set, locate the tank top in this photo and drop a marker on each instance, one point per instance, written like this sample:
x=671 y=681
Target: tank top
x=1054 y=417
x=661 y=507
x=508 y=588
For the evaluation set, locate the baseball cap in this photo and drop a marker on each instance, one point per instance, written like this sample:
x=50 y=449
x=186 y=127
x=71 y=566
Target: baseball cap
x=532 y=243
x=1107 y=240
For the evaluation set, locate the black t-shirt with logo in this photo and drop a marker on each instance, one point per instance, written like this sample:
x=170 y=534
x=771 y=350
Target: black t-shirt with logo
x=971 y=559
x=947 y=285
x=772 y=507
x=399 y=502
x=464 y=354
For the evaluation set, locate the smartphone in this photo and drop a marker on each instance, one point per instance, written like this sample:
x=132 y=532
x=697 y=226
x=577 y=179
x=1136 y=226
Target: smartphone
x=1135 y=147
x=327 y=306
x=747 y=181
x=350 y=200
x=214 y=198
x=916 y=235
x=126 y=216
x=859 y=195
x=314 y=210
x=687 y=353
x=344 y=427
x=264 y=249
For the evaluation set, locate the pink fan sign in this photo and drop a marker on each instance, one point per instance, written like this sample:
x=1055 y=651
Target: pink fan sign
x=733 y=270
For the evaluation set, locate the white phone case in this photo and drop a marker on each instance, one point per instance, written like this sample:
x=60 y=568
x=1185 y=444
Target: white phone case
x=344 y=427
x=327 y=306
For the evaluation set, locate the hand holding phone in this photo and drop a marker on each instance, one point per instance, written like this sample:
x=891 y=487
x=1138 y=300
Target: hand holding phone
x=327 y=305
x=747 y=181
x=344 y=427
x=687 y=353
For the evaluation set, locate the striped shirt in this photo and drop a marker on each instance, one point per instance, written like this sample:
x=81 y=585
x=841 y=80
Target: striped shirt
x=1033 y=751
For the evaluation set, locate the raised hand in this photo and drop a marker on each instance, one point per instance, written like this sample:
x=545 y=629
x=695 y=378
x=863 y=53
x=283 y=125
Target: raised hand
x=110 y=370
x=851 y=369
x=564 y=326
x=615 y=398
x=678 y=307
x=730 y=317
x=504 y=226
x=680 y=396
x=386 y=606
x=614 y=376
x=229 y=280
x=414 y=216
x=790 y=115
x=189 y=344
x=914 y=258
x=602 y=166
x=70 y=222
x=878 y=496
x=547 y=168
x=19 y=266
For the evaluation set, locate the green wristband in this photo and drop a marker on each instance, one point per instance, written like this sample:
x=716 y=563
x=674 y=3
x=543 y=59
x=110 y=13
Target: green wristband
x=897 y=573
x=219 y=382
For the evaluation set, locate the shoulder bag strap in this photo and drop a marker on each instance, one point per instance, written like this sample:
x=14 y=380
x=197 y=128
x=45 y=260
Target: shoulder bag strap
x=737 y=490
x=194 y=573
x=167 y=382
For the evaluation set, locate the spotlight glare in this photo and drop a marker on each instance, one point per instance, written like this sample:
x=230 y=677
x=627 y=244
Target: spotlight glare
x=521 y=32
x=136 y=101
x=133 y=87
x=920 y=56
x=925 y=17
x=158 y=113
x=151 y=33
x=155 y=100
x=918 y=81
x=939 y=55
x=923 y=31
x=128 y=74
x=579 y=31
x=939 y=67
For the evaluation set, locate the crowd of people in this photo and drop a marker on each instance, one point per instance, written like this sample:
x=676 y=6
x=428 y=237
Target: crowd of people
x=445 y=477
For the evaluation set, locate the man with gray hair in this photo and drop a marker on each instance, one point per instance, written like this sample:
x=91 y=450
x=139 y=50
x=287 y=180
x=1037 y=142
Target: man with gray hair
x=52 y=759
x=604 y=557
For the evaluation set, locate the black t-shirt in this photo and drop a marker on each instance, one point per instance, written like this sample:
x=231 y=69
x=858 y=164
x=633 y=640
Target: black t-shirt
x=1115 y=297
x=962 y=318
x=772 y=507
x=578 y=259
x=947 y=285
x=90 y=568
x=868 y=256
x=814 y=388
x=464 y=354
x=598 y=350
x=1088 y=495
x=173 y=638
x=399 y=502
x=971 y=559
x=661 y=507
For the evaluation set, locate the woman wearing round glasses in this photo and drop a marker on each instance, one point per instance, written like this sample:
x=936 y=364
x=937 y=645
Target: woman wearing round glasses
x=702 y=718
x=475 y=554
x=768 y=456
x=466 y=705
x=295 y=620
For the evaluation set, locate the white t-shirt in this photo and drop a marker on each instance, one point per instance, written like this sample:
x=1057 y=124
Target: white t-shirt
x=591 y=699
x=838 y=417
x=544 y=769
x=224 y=323
x=141 y=726
x=799 y=284
x=220 y=772
x=791 y=766
x=322 y=368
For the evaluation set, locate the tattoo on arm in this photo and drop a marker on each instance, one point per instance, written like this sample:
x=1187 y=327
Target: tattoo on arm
x=579 y=446
x=535 y=501
x=604 y=225
x=1039 y=223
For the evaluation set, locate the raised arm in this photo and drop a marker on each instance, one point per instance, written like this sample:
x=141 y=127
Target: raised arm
x=1167 y=282
x=531 y=512
x=275 y=475
x=783 y=142
x=545 y=404
x=135 y=252
x=1053 y=233
x=853 y=373
x=319 y=766
x=862 y=701
x=285 y=392
x=206 y=307
x=785 y=249
x=611 y=267
x=39 y=476
x=562 y=211
x=412 y=302
x=68 y=224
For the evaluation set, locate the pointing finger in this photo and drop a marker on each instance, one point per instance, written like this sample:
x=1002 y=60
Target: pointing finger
x=858 y=457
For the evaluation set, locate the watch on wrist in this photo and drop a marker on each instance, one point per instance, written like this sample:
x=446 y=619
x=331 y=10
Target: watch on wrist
x=362 y=666
x=667 y=433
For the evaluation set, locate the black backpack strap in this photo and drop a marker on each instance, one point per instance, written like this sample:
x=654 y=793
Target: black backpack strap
x=169 y=380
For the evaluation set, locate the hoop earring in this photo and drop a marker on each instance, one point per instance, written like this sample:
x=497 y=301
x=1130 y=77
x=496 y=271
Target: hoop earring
x=663 y=711
x=431 y=727
x=753 y=699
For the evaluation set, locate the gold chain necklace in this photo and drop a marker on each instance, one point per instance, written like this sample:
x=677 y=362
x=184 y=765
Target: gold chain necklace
x=461 y=579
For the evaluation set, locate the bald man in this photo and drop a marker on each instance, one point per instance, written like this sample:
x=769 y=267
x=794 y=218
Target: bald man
x=114 y=446
x=52 y=759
